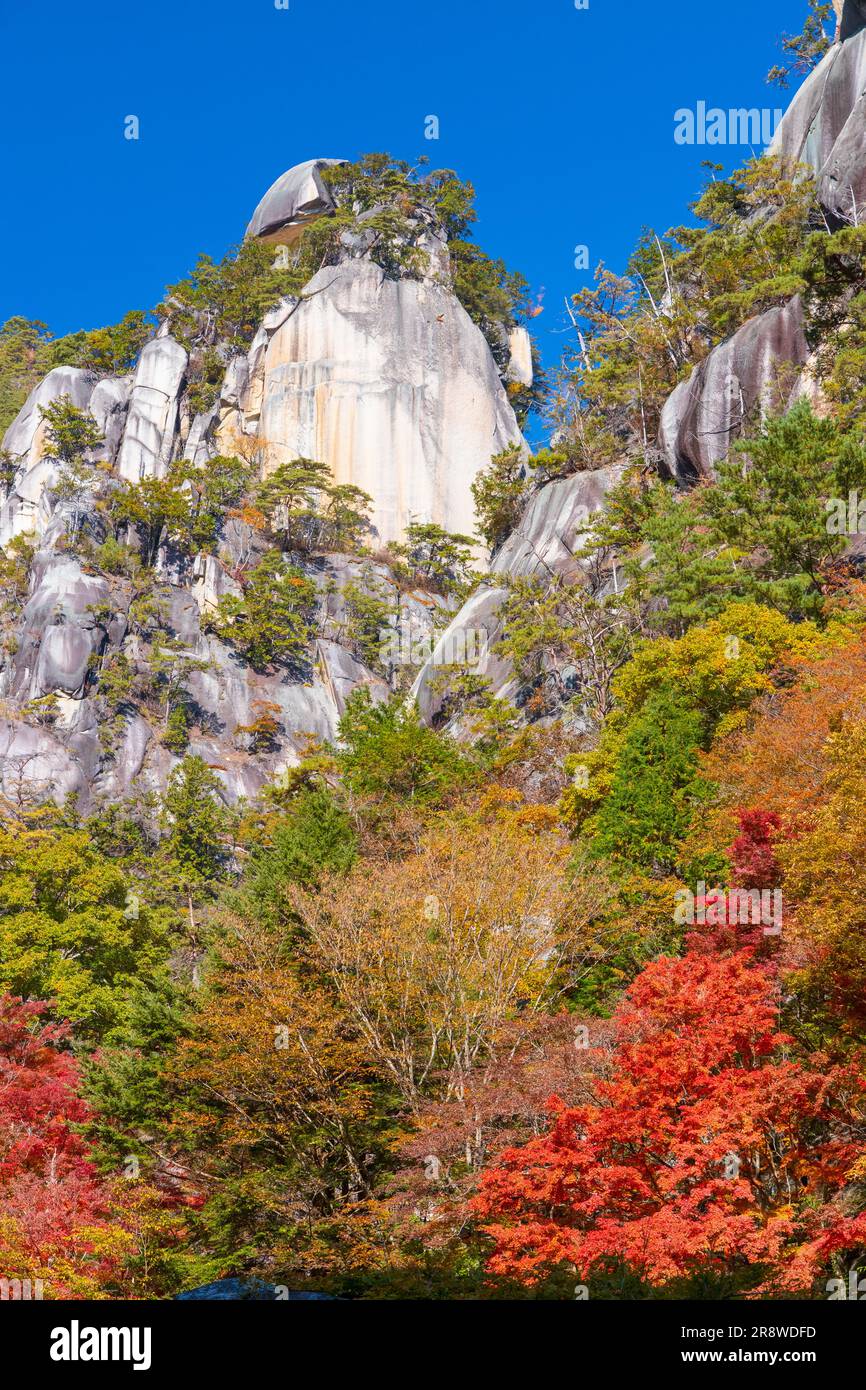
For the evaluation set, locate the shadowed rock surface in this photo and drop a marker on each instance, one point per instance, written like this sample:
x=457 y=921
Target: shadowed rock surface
x=754 y=372
x=296 y=198
x=542 y=546
x=825 y=126
x=852 y=18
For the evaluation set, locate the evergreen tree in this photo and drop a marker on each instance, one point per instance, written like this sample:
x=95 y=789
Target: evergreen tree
x=196 y=825
x=654 y=787
x=273 y=621
x=315 y=837
x=70 y=432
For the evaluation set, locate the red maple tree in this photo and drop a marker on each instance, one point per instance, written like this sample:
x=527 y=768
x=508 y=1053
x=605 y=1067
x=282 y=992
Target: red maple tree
x=708 y=1149
x=50 y=1193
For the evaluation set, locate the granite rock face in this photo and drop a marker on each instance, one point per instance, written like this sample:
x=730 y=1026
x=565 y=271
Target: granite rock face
x=296 y=198
x=852 y=17
x=28 y=507
x=148 y=445
x=73 y=621
x=383 y=377
x=35 y=765
x=741 y=380
x=387 y=381
x=521 y=369
x=60 y=629
x=25 y=437
x=109 y=406
x=825 y=126
x=766 y=365
x=549 y=531
x=542 y=546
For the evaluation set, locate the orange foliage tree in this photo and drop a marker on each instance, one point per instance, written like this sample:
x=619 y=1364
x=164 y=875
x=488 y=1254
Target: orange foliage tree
x=431 y=955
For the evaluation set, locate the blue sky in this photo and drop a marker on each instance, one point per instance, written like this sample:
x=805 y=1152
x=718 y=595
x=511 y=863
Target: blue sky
x=562 y=118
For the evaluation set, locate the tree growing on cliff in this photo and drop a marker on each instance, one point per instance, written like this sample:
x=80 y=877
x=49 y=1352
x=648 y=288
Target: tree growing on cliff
x=273 y=619
x=70 y=435
x=158 y=509
x=171 y=664
x=24 y=344
x=225 y=301
x=805 y=50
x=212 y=490
x=436 y=557
x=306 y=510
x=564 y=643
x=636 y=336
x=289 y=498
x=70 y=432
x=768 y=530
x=499 y=493
x=109 y=351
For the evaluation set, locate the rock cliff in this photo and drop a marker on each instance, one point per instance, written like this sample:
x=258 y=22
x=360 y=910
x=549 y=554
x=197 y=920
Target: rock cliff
x=388 y=382
x=381 y=376
x=379 y=373
x=766 y=363
x=825 y=126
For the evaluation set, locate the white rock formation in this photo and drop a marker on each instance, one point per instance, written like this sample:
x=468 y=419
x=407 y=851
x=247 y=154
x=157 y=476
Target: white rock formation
x=24 y=509
x=548 y=535
x=388 y=382
x=542 y=546
x=753 y=372
x=521 y=369
x=35 y=764
x=25 y=437
x=149 y=438
x=59 y=629
x=109 y=405
x=296 y=198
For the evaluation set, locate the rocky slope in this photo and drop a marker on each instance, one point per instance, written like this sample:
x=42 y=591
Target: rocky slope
x=766 y=364
x=384 y=378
